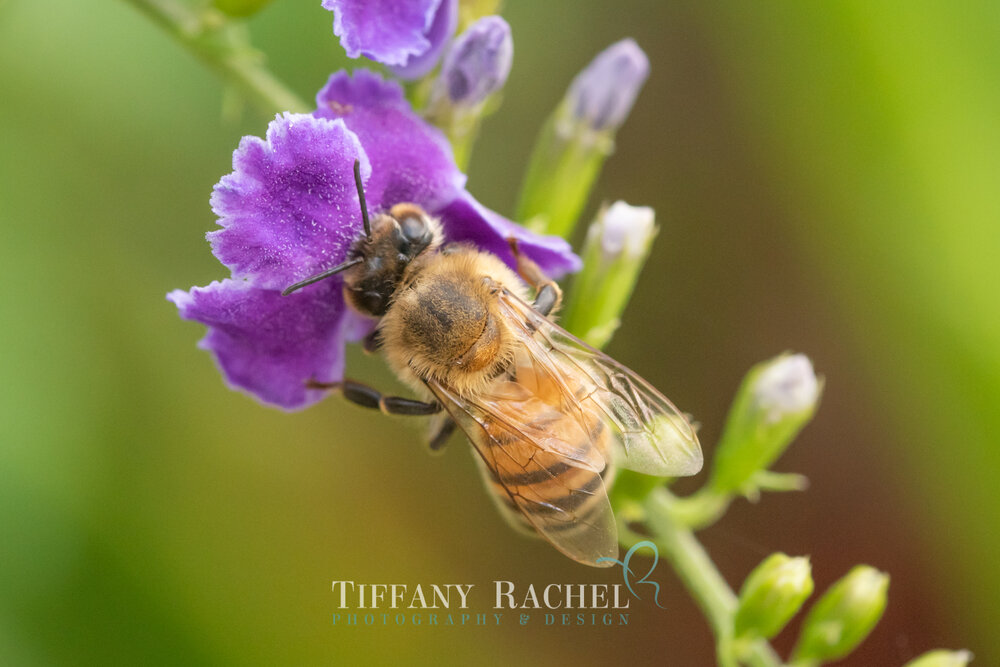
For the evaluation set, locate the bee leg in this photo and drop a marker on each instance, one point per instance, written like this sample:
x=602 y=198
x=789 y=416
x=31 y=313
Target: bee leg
x=441 y=435
x=398 y=405
x=547 y=299
x=367 y=397
x=548 y=296
x=372 y=342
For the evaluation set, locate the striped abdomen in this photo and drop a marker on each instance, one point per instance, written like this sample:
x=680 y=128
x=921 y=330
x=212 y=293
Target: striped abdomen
x=545 y=456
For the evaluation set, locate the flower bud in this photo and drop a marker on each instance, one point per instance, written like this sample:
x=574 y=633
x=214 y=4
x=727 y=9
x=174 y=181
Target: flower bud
x=473 y=72
x=786 y=387
x=477 y=64
x=617 y=245
x=941 y=658
x=623 y=231
x=578 y=137
x=771 y=595
x=602 y=95
x=777 y=398
x=843 y=617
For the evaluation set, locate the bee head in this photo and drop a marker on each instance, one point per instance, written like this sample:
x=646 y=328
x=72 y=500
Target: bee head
x=376 y=261
x=397 y=238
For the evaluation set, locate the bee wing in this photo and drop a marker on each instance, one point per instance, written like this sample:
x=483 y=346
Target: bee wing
x=649 y=434
x=557 y=495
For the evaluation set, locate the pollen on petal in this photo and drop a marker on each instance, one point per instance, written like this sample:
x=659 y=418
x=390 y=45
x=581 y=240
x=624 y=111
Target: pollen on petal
x=290 y=207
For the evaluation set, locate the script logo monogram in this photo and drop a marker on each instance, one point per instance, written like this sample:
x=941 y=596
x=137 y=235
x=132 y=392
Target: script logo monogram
x=629 y=574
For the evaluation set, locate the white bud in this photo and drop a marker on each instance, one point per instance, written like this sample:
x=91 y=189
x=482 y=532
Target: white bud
x=787 y=386
x=624 y=229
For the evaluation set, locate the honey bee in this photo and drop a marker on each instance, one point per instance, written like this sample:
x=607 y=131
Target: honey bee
x=549 y=416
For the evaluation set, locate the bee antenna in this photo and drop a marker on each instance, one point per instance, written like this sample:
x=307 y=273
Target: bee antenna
x=361 y=198
x=320 y=276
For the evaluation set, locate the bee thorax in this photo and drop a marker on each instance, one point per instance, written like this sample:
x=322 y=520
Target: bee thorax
x=444 y=324
x=448 y=323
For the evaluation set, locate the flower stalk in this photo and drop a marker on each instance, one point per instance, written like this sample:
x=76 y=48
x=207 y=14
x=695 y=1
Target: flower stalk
x=222 y=46
x=696 y=570
x=240 y=8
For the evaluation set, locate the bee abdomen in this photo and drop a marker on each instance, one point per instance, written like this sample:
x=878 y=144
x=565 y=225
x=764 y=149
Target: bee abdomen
x=548 y=487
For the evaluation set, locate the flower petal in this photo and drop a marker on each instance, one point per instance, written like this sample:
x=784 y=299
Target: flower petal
x=290 y=208
x=269 y=345
x=393 y=32
x=442 y=28
x=411 y=160
x=465 y=219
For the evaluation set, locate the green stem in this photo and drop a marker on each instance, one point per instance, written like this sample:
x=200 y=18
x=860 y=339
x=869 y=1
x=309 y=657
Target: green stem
x=561 y=173
x=692 y=563
x=699 y=510
x=210 y=37
x=696 y=570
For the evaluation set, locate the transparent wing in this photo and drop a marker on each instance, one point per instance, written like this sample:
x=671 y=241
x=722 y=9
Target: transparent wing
x=537 y=484
x=648 y=434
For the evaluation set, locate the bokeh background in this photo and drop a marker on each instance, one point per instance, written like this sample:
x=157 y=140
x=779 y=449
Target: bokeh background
x=826 y=177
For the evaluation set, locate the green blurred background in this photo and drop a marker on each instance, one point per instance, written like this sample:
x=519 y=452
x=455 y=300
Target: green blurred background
x=826 y=176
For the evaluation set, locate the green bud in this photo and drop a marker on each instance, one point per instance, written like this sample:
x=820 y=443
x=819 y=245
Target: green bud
x=616 y=249
x=843 y=617
x=771 y=595
x=941 y=658
x=777 y=398
x=240 y=8
x=578 y=137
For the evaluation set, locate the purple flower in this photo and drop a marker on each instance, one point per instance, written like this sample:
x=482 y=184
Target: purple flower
x=407 y=35
x=290 y=210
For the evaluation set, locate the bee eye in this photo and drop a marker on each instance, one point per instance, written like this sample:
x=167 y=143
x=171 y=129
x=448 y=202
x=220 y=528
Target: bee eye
x=415 y=230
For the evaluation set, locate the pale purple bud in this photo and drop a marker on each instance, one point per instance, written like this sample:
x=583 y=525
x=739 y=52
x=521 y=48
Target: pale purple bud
x=602 y=94
x=478 y=62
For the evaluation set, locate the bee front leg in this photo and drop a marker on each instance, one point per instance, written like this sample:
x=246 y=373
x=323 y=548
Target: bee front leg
x=368 y=397
x=548 y=296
